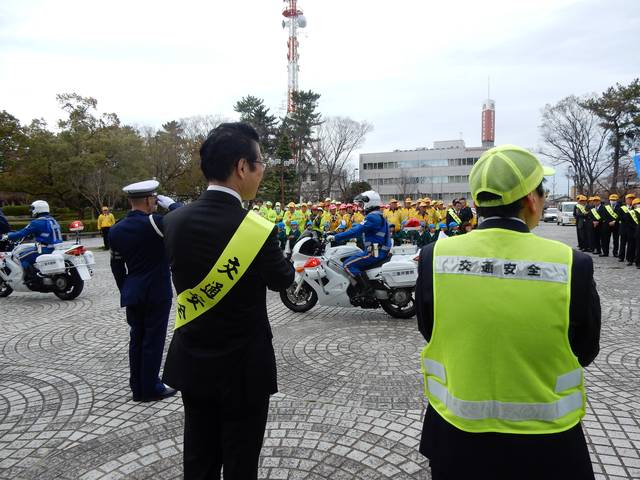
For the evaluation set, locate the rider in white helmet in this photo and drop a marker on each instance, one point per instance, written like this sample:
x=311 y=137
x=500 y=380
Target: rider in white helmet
x=374 y=232
x=46 y=231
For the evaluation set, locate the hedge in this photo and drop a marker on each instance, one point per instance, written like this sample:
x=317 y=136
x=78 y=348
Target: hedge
x=89 y=225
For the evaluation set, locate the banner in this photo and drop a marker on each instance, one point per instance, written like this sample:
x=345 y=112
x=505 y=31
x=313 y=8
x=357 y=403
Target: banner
x=636 y=162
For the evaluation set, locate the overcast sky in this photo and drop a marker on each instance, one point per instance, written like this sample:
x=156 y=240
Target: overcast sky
x=416 y=69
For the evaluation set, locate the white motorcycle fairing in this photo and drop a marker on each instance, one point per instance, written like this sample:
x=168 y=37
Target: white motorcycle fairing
x=330 y=281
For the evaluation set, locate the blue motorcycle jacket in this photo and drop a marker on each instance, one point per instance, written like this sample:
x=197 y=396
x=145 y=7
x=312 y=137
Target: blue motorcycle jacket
x=45 y=229
x=375 y=229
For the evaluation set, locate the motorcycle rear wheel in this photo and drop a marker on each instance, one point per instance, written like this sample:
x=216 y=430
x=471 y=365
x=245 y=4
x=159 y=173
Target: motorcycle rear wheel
x=397 y=311
x=5 y=290
x=304 y=301
x=74 y=287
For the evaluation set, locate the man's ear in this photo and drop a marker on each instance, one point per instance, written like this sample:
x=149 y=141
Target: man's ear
x=241 y=168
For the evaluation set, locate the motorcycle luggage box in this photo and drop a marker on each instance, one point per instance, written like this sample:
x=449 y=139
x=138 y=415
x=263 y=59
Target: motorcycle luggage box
x=400 y=274
x=49 y=264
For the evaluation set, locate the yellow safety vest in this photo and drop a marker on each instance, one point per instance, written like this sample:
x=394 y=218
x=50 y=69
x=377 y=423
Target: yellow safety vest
x=595 y=213
x=501 y=361
x=228 y=269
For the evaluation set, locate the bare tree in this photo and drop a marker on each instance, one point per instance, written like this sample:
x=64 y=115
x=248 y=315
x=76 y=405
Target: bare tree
x=573 y=137
x=338 y=137
x=407 y=184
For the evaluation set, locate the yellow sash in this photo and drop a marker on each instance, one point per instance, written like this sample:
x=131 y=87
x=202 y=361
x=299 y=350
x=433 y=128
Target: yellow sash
x=228 y=269
x=634 y=215
x=581 y=208
x=453 y=215
x=595 y=214
x=613 y=214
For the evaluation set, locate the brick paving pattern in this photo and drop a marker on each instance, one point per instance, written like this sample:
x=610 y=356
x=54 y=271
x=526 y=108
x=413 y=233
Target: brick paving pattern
x=350 y=403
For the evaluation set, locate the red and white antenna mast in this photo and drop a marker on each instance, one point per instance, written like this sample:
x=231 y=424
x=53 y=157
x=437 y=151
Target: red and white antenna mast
x=294 y=19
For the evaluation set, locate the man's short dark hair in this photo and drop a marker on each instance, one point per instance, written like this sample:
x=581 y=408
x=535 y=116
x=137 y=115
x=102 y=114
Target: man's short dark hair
x=505 y=211
x=225 y=146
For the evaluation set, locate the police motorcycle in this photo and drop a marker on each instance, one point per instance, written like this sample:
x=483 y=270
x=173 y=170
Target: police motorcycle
x=61 y=272
x=321 y=278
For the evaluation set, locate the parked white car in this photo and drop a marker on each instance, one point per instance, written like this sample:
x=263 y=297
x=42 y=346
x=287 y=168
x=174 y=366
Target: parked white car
x=550 y=215
x=566 y=213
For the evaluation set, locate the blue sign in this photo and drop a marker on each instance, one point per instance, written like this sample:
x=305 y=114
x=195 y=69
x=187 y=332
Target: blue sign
x=636 y=162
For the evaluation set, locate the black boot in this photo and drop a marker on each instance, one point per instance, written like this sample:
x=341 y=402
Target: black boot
x=364 y=289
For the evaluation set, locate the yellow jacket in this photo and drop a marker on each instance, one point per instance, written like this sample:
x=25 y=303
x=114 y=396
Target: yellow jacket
x=106 y=220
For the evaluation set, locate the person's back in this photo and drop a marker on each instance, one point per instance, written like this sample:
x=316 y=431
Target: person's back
x=221 y=358
x=503 y=368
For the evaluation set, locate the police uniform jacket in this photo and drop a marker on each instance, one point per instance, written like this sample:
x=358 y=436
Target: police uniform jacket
x=225 y=352
x=138 y=261
x=4 y=223
x=447 y=447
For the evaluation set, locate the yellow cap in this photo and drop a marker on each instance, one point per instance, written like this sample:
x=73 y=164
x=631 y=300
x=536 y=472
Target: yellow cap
x=393 y=200
x=291 y=204
x=630 y=195
x=508 y=172
x=596 y=198
x=636 y=201
x=614 y=196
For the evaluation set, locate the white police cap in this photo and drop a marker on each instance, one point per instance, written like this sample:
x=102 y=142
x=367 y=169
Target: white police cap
x=143 y=189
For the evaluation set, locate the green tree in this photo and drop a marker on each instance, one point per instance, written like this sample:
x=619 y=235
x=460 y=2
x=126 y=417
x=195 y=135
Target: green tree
x=280 y=178
x=354 y=189
x=618 y=109
x=300 y=125
x=253 y=111
x=13 y=140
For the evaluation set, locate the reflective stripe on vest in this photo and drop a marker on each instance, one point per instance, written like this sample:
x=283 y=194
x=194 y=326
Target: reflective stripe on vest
x=595 y=214
x=516 y=411
x=501 y=360
x=581 y=208
x=453 y=215
x=613 y=214
x=232 y=264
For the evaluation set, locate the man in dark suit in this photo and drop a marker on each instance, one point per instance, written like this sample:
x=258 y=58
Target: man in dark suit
x=141 y=271
x=223 y=360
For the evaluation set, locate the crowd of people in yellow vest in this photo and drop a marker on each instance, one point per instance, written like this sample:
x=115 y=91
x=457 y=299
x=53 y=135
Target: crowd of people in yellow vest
x=598 y=222
x=419 y=222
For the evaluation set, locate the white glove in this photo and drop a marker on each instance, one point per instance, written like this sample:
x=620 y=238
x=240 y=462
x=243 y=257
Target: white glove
x=330 y=238
x=4 y=237
x=164 y=201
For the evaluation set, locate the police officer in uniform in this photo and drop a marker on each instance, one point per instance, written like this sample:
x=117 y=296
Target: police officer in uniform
x=141 y=271
x=503 y=370
x=221 y=357
x=377 y=240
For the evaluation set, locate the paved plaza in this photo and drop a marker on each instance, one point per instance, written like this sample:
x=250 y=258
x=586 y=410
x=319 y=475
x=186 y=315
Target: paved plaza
x=350 y=403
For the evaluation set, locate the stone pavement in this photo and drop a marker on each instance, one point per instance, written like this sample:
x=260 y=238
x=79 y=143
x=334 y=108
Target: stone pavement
x=349 y=407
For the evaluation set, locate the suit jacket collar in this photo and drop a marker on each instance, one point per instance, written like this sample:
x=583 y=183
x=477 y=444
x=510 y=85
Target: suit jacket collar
x=220 y=197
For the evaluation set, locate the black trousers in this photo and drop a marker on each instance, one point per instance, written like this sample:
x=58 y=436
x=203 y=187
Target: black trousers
x=147 y=334
x=219 y=437
x=581 y=235
x=105 y=237
x=605 y=238
x=615 y=233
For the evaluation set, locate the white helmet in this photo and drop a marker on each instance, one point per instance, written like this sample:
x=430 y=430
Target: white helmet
x=369 y=200
x=38 y=207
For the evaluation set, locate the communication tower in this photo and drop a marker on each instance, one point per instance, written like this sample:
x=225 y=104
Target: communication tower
x=294 y=19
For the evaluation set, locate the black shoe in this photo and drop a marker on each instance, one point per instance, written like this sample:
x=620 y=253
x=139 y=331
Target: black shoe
x=621 y=259
x=629 y=264
x=603 y=255
x=166 y=393
x=615 y=254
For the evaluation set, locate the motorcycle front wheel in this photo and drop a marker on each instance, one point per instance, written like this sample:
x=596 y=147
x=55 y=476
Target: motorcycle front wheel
x=71 y=285
x=400 y=304
x=5 y=290
x=305 y=299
